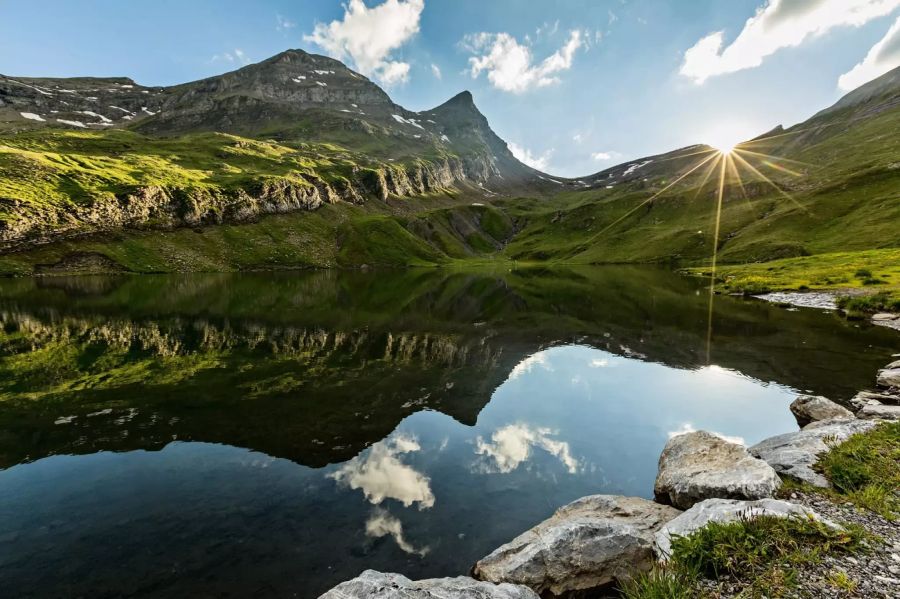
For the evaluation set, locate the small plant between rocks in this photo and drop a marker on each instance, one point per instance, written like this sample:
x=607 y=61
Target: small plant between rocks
x=751 y=558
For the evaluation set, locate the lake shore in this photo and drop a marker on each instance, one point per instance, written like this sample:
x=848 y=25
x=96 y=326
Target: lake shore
x=811 y=513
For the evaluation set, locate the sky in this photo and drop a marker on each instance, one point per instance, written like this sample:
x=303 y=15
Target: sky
x=574 y=86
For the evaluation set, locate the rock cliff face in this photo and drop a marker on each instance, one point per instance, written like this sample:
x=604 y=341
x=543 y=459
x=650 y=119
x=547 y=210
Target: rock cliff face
x=160 y=207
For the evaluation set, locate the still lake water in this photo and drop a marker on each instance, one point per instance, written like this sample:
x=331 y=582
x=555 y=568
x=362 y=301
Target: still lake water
x=275 y=434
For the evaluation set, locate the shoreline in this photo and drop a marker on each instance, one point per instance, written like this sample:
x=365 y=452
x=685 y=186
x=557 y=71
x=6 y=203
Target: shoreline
x=707 y=485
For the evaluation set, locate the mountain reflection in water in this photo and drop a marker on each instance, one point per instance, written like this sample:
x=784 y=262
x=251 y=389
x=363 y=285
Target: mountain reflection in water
x=277 y=433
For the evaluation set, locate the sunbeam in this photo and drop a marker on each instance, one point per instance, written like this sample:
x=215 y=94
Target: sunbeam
x=584 y=246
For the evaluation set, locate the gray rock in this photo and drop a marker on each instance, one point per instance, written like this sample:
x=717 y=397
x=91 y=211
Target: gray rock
x=794 y=454
x=879 y=412
x=722 y=511
x=700 y=465
x=883 y=316
x=587 y=544
x=864 y=398
x=377 y=585
x=889 y=377
x=812 y=408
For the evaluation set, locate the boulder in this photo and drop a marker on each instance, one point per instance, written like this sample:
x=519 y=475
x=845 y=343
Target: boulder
x=722 y=511
x=889 y=377
x=812 y=408
x=377 y=585
x=794 y=454
x=589 y=543
x=879 y=412
x=700 y=465
x=864 y=398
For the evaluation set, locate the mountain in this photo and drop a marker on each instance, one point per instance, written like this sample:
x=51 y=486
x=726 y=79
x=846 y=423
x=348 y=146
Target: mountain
x=298 y=161
x=828 y=184
x=294 y=132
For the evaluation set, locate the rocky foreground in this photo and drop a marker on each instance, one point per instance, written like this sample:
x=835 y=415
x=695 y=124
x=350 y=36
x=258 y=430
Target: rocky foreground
x=598 y=542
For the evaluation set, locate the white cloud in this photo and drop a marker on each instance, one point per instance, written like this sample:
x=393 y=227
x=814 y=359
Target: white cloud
x=436 y=71
x=381 y=524
x=577 y=138
x=511 y=445
x=236 y=55
x=283 y=24
x=777 y=24
x=884 y=56
x=525 y=156
x=602 y=156
x=510 y=66
x=368 y=36
x=381 y=475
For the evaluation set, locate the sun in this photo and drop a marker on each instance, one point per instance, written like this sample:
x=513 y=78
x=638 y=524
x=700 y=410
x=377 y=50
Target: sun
x=723 y=147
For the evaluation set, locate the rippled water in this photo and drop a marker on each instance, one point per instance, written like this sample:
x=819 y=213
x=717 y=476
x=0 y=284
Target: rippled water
x=275 y=434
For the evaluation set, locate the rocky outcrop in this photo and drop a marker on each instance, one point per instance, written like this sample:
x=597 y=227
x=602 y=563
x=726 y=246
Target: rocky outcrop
x=584 y=545
x=879 y=412
x=795 y=454
x=700 y=465
x=377 y=585
x=157 y=207
x=813 y=408
x=723 y=511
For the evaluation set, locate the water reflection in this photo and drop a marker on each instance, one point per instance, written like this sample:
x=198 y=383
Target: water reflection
x=275 y=434
x=381 y=475
x=511 y=445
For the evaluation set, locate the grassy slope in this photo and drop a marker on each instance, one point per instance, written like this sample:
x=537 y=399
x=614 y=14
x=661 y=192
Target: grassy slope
x=846 y=197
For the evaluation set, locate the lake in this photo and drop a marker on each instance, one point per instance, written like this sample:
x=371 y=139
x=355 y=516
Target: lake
x=274 y=434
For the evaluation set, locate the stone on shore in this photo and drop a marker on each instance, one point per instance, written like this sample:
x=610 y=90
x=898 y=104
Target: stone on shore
x=700 y=465
x=794 y=454
x=589 y=543
x=723 y=511
x=377 y=585
x=813 y=408
x=879 y=412
x=890 y=376
x=865 y=398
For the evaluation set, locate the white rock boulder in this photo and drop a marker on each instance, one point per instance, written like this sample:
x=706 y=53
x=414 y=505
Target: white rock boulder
x=723 y=511
x=879 y=412
x=795 y=454
x=865 y=398
x=587 y=544
x=377 y=585
x=813 y=408
x=699 y=465
x=890 y=376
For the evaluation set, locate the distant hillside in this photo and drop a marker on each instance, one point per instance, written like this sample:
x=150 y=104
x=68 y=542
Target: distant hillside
x=831 y=183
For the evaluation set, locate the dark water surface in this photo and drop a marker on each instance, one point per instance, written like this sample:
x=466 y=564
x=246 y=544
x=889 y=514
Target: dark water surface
x=274 y=434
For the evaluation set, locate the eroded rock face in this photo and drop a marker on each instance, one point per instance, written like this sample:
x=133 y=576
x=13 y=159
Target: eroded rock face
x=700 y=465
x=879 y=412
x=813 y=408
x=794 y=454
x=377 y=585
x=587 y=544
x=722 y=511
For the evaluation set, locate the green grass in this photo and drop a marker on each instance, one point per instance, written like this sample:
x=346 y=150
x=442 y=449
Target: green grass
x=865 y=469
x=762 y=555
x=837 y=271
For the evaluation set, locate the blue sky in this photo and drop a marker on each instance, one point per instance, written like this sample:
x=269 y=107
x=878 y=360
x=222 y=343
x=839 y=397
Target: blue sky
x=575 y=85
